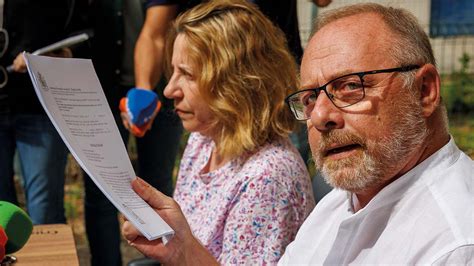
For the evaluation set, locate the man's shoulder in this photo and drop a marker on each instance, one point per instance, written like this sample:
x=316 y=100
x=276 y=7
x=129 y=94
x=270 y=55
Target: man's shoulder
x=446 y=184
x=450 y=190
x=453 y=198
x=434 y=214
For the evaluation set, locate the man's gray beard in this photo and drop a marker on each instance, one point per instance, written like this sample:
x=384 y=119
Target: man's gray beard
x=379 y=157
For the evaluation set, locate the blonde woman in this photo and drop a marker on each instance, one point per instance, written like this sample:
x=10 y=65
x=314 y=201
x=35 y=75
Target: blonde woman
x=242 y=186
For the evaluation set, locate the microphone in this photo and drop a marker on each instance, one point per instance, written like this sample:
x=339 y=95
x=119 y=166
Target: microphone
x=16 y=225
x=140 y=105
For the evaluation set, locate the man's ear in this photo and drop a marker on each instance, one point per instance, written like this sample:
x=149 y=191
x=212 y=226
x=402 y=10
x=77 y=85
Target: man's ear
x=430 y=95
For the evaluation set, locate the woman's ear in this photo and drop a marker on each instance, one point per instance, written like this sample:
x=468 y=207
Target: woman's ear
x=430 y=95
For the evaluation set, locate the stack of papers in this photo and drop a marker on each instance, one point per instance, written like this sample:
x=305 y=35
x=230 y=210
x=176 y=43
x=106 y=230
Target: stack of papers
x=71 y=95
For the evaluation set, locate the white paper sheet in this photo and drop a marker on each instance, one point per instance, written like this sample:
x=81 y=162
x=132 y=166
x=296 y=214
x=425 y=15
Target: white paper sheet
x=72 y=96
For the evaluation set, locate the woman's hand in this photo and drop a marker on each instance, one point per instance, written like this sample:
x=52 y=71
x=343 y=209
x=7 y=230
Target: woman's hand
x=182 y=248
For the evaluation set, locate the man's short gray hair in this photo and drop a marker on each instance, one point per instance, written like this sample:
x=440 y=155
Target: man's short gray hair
x=412 y=45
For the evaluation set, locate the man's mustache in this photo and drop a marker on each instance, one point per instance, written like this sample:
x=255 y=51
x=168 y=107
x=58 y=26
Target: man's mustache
x=339 y=138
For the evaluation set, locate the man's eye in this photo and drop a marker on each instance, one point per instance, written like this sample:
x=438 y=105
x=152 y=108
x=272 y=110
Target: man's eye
x=353 y=86
x=346 y=85
x=308 y=98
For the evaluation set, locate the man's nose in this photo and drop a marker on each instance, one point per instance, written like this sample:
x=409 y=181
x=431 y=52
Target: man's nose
x=325 y=115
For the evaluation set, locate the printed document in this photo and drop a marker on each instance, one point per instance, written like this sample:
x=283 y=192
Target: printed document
x=70 y=92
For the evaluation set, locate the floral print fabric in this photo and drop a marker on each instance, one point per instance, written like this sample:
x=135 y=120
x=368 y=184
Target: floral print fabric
x=249 y=210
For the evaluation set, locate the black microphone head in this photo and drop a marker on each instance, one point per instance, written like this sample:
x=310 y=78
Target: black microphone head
x=17 y=225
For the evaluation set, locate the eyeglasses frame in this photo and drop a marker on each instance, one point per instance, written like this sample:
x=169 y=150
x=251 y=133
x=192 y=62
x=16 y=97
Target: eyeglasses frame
x=360 y=74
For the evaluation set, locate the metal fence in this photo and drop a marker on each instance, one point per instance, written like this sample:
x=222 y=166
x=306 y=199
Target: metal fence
x=447 y=50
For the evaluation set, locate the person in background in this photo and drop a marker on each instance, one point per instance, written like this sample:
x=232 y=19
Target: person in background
x=116 y=25
x=24 y=126
x=242 y=184
x=379 y=132
x=159 y=14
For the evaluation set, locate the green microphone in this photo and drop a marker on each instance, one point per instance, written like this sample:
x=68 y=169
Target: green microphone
x=17 y=226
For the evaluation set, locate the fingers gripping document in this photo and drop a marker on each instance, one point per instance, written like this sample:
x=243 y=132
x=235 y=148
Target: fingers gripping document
x=70 y=92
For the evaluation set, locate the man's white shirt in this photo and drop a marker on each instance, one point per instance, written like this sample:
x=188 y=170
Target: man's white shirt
x=424 y=217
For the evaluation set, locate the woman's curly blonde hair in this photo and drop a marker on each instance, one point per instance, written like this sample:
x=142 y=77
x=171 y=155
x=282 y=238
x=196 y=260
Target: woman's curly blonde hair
x=245 y=72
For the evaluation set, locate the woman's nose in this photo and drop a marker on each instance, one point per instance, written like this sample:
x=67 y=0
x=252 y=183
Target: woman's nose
x=172 y=89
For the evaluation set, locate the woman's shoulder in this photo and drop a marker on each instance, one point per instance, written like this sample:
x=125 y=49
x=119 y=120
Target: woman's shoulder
x=198 y=142
x=280 y=150
x=278 y=169
x=197 y=147
x=278 y=159
x=197 y=137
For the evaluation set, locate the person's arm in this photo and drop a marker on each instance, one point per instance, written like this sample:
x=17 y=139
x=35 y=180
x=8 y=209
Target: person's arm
x=149 y=53
x=149 y=49
x=183 y=248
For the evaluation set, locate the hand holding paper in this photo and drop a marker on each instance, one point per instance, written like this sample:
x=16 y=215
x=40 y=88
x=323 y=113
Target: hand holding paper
x=183 y=248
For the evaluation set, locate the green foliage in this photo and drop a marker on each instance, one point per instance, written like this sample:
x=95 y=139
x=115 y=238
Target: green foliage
x=458 y=88
x=462 y=128
x=72 y=201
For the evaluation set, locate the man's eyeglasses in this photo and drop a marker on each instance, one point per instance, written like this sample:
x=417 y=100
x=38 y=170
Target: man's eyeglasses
x=343 y=91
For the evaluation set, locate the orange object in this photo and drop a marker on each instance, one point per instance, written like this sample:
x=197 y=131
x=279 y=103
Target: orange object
x=138 y=131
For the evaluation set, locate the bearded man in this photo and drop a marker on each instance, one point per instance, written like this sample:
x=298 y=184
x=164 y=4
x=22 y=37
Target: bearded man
x=379 y=133
x=380 y=136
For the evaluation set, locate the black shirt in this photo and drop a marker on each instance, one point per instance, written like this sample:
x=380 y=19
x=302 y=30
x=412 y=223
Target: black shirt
x=282 y=13
x=31 y=24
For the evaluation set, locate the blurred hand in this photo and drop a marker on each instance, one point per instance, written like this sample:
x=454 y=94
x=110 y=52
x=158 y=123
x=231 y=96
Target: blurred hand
x=183 y=248
x=19 y=64
x=126 y=121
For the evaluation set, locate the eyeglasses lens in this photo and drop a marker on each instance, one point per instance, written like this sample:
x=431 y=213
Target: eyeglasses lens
x=342 y=92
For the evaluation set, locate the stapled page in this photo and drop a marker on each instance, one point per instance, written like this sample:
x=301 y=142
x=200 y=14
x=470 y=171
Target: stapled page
x=70 y=92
